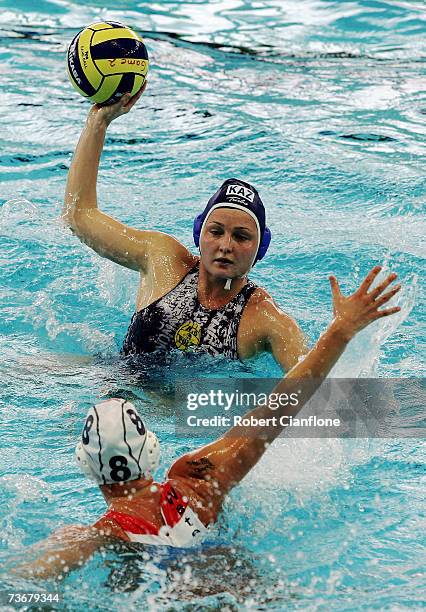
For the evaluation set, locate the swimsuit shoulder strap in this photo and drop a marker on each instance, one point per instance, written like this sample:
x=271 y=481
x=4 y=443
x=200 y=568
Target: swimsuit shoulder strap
x=187 y=285
x=248 y=290
x=242 y=296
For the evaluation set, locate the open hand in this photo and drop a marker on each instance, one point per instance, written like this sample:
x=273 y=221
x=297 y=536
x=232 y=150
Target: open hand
x=112 y=111
x=355 y=312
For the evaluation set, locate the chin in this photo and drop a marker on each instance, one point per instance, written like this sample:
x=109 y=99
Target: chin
x=221 y=275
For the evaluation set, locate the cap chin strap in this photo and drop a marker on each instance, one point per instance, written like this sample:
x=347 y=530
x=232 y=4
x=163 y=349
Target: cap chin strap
x=228 y=281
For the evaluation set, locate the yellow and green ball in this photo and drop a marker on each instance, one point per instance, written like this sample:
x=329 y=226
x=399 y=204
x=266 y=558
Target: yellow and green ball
x=106 y=60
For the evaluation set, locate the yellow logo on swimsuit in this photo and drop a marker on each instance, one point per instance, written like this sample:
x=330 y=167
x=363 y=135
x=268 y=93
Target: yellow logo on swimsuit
x=188 y=334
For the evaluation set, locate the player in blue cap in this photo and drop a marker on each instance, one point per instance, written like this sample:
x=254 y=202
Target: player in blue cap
x=204 y=303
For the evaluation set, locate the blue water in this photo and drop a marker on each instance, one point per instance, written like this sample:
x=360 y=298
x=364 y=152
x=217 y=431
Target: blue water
x=321 y=105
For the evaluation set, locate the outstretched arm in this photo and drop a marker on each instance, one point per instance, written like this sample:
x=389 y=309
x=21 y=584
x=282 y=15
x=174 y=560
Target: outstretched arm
x=122 y=244
x=66 y=549
x=228 y=460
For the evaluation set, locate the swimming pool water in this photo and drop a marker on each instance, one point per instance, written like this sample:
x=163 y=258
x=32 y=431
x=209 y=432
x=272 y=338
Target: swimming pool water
x=321 y=105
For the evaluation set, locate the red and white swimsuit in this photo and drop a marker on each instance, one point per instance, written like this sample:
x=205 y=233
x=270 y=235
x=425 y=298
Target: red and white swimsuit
x=182 y=526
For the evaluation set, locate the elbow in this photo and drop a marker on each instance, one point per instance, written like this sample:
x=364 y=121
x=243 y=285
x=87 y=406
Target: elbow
x=67 y=217
x=69 y=214
x=74 y=220
x=74 y=210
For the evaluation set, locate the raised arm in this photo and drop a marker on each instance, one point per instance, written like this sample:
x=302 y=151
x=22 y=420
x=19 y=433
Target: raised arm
x=122 y=244
x=227 y=460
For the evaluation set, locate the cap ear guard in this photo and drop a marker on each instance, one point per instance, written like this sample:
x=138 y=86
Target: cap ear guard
x=196 y=229
x=264 y=243
x=153 y=453
x=83 y=463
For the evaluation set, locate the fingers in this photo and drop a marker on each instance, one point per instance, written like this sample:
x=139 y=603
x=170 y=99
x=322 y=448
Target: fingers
x=380 y=288
x=121 y=107
x=366 y=284
x=125 y=100
x=131 y=100
x=387 y=312
x=387 y=296
x=335 y=289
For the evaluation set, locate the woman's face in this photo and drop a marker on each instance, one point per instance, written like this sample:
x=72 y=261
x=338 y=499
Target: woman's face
x=228 y=243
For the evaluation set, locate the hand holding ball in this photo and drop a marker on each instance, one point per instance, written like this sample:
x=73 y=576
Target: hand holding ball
x=106 y=60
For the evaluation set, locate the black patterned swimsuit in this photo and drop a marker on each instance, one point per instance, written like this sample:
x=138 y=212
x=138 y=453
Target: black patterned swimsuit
x=178 y=320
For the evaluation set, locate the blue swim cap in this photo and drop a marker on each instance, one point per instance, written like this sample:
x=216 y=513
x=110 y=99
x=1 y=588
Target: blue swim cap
x=235 y=193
